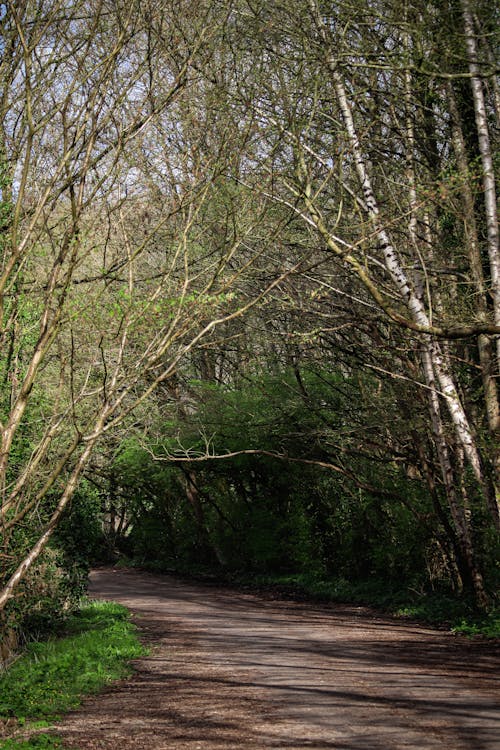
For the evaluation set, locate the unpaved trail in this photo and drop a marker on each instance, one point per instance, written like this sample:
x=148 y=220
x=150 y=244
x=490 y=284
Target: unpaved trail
x=229 y=669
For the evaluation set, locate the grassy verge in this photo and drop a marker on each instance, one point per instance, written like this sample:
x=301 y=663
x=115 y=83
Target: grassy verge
x=40 y=742
x=52 y=676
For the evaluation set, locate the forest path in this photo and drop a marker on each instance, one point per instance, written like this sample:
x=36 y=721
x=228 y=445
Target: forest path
x=229 y=669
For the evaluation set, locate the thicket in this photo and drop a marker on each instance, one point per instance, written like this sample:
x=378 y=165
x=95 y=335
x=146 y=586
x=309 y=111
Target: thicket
x=291 y=491
x=55 y=585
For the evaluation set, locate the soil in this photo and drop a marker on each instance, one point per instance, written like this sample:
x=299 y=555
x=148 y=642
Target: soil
x=231 y=669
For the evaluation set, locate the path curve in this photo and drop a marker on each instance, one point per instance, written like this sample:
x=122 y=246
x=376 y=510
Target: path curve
x=229 y=669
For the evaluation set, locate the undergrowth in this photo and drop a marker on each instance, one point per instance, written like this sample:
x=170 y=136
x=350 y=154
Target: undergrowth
x=39 y=742
x=52 y=676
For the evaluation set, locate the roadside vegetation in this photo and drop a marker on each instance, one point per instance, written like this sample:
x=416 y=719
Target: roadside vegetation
x=93 y=648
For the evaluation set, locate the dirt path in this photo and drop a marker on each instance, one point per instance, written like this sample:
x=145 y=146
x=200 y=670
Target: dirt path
x=233 y=670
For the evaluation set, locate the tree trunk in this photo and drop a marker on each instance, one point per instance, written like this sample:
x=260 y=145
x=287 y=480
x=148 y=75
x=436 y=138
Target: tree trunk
x=489 y=186
x=467 y=558
x=402 y=283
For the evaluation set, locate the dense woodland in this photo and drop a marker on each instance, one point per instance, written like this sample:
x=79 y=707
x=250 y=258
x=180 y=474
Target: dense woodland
x=249 y=292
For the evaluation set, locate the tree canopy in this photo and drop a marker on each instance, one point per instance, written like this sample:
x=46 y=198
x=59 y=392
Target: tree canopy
x=250 y=286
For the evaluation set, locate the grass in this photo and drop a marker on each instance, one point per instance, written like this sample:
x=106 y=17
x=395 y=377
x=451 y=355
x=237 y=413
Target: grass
x=39 y=742
x=52 y=676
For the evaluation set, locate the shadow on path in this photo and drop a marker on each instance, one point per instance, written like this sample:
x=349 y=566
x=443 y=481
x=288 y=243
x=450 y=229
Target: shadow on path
x=233 y=670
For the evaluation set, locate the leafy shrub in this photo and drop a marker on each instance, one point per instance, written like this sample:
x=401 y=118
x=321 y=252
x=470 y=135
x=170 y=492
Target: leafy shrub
x=54 y=585
x=39 y=742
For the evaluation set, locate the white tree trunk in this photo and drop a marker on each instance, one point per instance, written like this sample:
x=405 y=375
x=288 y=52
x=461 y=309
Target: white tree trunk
x=402 y=283
x=489 y=187
x=460 y=519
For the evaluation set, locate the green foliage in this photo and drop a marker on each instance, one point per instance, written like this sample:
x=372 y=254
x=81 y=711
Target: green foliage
x=38 y=742
x=53 y=675
x=13 y=362
x=44 y=595
x=298 y=517
x=79 y=536
x=268 y=515
x=488 y=626
x=57 y=581
x=153 y=496
x=5 y=199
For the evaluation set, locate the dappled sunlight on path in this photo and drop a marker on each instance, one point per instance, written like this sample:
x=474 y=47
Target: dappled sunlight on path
x=228 y=669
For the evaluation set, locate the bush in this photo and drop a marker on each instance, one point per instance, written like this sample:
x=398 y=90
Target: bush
x=54 y=585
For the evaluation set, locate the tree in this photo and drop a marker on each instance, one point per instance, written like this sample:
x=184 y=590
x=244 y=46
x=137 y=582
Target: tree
x=174 y=178
x=113 y=268
x=360 y=145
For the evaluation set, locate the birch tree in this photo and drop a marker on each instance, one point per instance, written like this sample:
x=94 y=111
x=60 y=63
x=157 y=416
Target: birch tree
x=357 y=98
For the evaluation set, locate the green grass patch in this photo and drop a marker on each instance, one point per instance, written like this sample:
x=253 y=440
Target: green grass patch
x=487 y=626
x=39 y=742
x=52 y=676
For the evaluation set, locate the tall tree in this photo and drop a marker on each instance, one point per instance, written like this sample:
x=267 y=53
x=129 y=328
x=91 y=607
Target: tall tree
x=114 y=264
x=359 y=134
